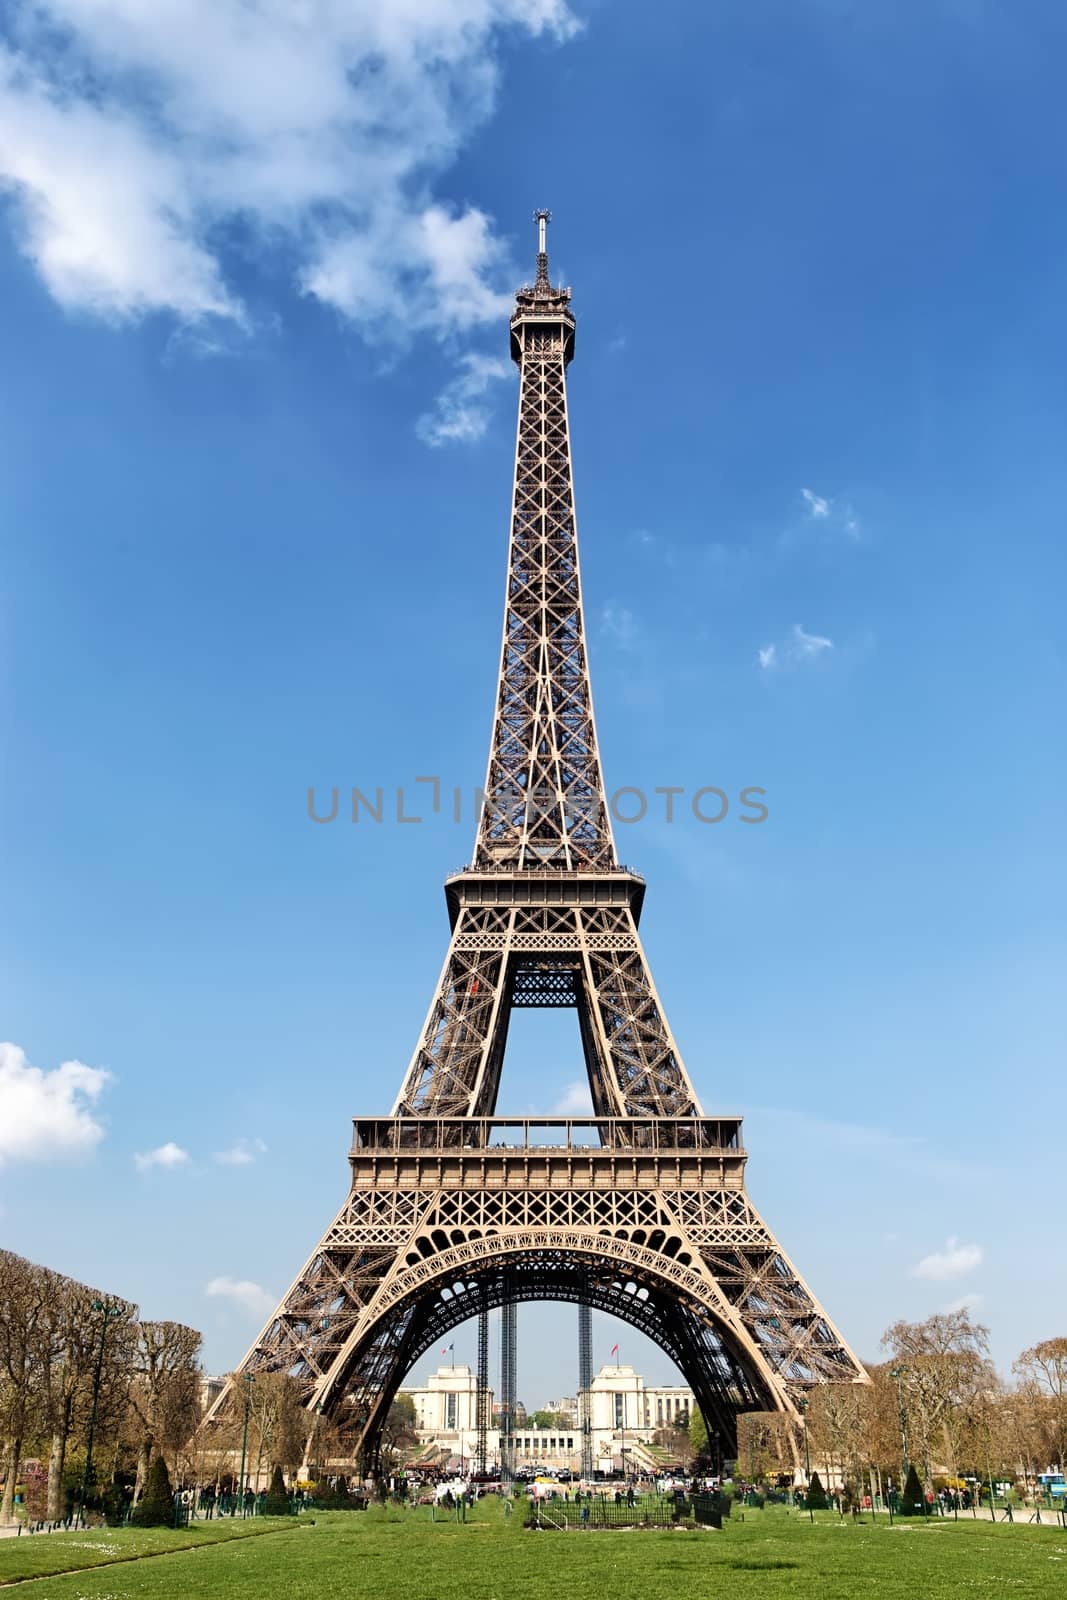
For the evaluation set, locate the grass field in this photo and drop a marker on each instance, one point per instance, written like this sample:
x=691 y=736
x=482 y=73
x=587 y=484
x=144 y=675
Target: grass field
x=396 y=1555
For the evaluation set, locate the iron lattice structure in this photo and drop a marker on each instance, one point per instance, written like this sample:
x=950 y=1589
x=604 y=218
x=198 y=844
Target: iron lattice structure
x=482 y=1394
x=509 y=1334
x=585 y=1382
x=641 y=1210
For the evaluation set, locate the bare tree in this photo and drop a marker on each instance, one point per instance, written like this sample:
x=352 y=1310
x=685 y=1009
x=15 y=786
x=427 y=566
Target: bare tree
x=838 y=1420
x=1043 y=1369
x=78 y=1345
x=944 y=1371
x=165 y=1391
x=278 y=1424
x=764 y=1444
x=23 y=1296
x=398 y=1432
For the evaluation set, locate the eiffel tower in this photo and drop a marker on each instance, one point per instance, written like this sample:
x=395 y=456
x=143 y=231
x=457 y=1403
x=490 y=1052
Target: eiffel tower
x=640 y=1209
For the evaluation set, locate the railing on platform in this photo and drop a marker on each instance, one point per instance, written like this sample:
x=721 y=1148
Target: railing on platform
x=580 y=1134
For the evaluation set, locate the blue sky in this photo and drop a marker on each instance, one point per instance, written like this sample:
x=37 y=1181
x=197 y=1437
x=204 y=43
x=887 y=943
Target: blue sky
x=256 y=434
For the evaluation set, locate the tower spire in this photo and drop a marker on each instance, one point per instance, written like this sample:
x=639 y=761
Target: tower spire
x=542 y=285
x=545 y=804
x=520 y=939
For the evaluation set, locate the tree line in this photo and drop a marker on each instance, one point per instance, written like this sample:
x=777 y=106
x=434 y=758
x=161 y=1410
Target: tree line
x=76 y=1363
x=74 y=1360
x=936 y=1401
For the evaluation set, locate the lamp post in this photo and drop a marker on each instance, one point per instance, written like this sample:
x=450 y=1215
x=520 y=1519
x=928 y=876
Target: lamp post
x=896 y=1374
x=249 y=1380
x=107 y=1310
x=802 y=1407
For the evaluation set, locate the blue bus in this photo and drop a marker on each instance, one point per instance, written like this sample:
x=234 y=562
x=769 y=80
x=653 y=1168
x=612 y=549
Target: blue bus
x=1052 y=1483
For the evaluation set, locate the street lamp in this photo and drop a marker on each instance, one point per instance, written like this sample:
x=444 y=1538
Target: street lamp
x=896 y=1374
x=107 y=1310
x=802 y=1407
x=249 y=1380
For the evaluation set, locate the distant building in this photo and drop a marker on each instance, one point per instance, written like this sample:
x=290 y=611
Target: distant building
x=210 y=1389
x=620 y=1398
x=625 y=1412
x=446 y=1411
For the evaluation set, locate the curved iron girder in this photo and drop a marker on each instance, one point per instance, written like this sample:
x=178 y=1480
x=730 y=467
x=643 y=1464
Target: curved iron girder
x=665 y=1299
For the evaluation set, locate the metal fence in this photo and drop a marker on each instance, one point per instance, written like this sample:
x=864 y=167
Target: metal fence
x=567 y=1514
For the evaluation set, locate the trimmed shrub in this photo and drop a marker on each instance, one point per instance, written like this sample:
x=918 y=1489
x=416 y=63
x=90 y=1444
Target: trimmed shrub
x=155 y=1509
x=115 y=1500
x=276 y=1503
x=913 y=1500
x=816 y=1496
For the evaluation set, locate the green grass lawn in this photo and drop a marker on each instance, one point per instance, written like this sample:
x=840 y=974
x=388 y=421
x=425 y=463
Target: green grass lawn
x=397 y=1555
x=41 y=1554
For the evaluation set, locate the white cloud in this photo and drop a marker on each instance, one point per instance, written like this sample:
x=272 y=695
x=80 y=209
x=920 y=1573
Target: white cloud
x=46 y=1115
x=618 y=624
x=817 y=506
x=148 y=146
x=460 y=415
x=165 y=1155
x=244 y=1294
x=806 y=645
x=966 y=1302
x=241 y=1153
x=825 y=516
x=575 y=1101
x=954 y=1261
x=799 y=647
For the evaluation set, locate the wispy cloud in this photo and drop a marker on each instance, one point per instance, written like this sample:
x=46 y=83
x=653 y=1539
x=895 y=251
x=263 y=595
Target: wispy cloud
x=619 y=624
x=966 y=1302
x=169 y=1155
x=654 y=546
x=954 y=1261
x=575 y=1101
x=818 y=507
x=905 y=1153
x=240 y=1154
x=834 y=515
x=460 y=415
x=47 y=1115
x=247 y=1296
x=807 y=645
x=798 y=648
